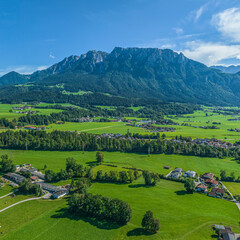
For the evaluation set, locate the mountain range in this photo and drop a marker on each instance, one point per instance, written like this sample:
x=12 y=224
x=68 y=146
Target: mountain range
x=228 y=69
x=134 y=73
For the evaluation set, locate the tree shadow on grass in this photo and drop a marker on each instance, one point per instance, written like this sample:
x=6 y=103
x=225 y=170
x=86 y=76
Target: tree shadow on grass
x=214 y=236
x=138 y=232
x=101 y=224
x=182 y=192
x=92 y=163
x=139 y=186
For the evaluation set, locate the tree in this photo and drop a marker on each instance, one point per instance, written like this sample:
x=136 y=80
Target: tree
x=189 y=185
x=233 y=176
x=99 y=157
x=223 y=175
x=50 y=175
x=45 y=167
x=149 y=223
x=7 y=164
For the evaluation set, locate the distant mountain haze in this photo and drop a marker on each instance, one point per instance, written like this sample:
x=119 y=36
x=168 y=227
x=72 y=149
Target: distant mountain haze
x=138 y=73
x=229 y=69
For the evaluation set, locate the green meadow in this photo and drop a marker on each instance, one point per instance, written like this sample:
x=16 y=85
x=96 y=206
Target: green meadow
x=4 y=111
x=182 y=216
x=233 y=187
x=96 y=127
x=56 y=160
x=5 y=190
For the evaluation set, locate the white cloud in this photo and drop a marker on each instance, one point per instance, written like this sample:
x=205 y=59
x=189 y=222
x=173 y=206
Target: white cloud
x=210 y=53
x=199 y=13
x=178 y=30
x=51 y=56
x=228 y=23
x=23 y=69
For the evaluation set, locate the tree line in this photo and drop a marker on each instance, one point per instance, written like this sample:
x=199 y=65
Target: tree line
x=72 y=141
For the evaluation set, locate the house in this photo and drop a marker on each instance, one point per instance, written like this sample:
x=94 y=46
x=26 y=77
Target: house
x=175 y=174
x=217 y=192
x=190 y=174
x=34 y=178
x=32 y=170
x=201 y=188
x=225 y=232
x=39 y=175
x=178 y=170
x=29 y=128
x=208 y=175
x=15 y=177
x=51 y=188
x=60 y=193
x=212 y=182
x=166 y=167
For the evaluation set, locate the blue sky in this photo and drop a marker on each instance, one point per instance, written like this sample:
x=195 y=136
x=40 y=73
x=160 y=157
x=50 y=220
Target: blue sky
x=35 y=34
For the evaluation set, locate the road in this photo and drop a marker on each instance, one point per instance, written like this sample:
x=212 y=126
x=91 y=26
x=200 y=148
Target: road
x=234 y=200
x=26 y=200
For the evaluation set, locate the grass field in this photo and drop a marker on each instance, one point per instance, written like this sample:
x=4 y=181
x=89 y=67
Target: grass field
x=188 y=217
x=9 y=200
x=55 y=160
x=5 y=190
x=199 y=118
x=4 y=111
x=233 y=187
x=96 y=127
x=182 y=216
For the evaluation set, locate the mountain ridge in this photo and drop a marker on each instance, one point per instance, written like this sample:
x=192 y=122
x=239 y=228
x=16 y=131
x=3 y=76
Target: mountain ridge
x=141 y=72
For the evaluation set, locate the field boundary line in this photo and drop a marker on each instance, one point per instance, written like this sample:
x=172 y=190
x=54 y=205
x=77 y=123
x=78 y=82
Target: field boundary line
x=26 y=200
x=6 y=195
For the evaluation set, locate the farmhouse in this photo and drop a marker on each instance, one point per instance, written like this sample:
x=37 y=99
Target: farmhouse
x=30 y=128
x=34 y=178
x=15 y=177
x=190 y=174
x=60 y=193
x=39 y=175
x=217 y=192
x=208 y=175
x=201 y=188
x=57 y=192
x=212 y=182
x=51 y=188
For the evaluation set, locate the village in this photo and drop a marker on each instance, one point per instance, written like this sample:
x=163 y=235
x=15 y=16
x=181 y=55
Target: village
x=207 y=183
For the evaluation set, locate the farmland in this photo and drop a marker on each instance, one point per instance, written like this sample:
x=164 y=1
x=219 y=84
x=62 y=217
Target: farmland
x=4 y=111
x=175 y=216
x=55 y=160
x=182 y=215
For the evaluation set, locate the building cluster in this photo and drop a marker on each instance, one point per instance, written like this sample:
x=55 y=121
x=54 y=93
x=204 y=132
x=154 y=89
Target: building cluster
x=34 y=128
x=114 y=135
x=56 y=191
x=210 y=142
x=153 y=128
x=208 y=184
x=225 y=232
x=178 y=172
x=234 y=130
x=22 y=108
x=38 y=178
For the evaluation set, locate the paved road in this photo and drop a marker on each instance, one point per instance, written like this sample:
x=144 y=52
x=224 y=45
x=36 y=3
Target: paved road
x=26 y=200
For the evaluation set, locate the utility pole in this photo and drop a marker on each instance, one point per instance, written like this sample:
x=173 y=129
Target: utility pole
x=149 y=151
x=26 y=145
